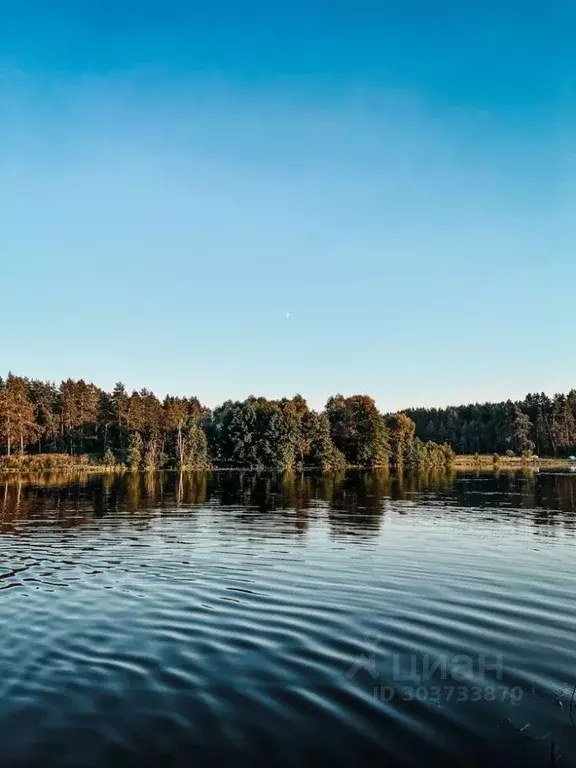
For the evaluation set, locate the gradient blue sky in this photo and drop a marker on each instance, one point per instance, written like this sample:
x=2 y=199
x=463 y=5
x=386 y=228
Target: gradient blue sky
x=398 y=176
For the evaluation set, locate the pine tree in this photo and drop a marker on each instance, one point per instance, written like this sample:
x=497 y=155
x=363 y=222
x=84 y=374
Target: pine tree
x=17 y=417
x=515 y=430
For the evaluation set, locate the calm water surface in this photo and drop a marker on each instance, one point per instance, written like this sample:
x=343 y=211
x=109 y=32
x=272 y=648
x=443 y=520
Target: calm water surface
x=288 y=620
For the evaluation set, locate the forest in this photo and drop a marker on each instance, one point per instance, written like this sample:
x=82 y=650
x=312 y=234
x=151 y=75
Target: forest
x=540 y=424
x=47 y=422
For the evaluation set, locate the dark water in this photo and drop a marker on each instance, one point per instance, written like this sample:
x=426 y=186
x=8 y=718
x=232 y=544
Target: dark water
x=296 y=620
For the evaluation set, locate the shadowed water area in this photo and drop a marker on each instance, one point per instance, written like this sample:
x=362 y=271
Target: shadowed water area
x=248 y=619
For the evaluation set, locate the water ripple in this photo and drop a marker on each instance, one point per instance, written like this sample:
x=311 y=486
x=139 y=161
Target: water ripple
x=332 y=625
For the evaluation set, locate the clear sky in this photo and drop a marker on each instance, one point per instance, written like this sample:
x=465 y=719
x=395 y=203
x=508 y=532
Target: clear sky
x=399 y=177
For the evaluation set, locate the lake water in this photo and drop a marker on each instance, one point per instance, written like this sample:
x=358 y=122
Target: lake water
x=288 y=620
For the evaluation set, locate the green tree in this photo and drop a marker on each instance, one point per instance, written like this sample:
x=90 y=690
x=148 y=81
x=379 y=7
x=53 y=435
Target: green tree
x=120 y=425
x=17 y=418
x=321 y=451
x=563 y=426
x=401 y=429
x=45 y=400
x=358 y=430
x=196 y=447
x=135 y=450
x=175 y=417
x=515 y=429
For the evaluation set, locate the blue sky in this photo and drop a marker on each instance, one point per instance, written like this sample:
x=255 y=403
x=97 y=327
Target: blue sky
x=175 y=177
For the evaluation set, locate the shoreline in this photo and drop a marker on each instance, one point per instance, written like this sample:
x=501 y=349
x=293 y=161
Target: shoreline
x=461 y=464
x=504 y=462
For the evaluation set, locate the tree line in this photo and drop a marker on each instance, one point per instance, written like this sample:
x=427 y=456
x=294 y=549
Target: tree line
x=538 y=424
x=139 y=431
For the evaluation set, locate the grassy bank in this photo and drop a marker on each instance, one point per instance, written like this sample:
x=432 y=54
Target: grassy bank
x=53 y=462
x=62 y=462
x=490 y=461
